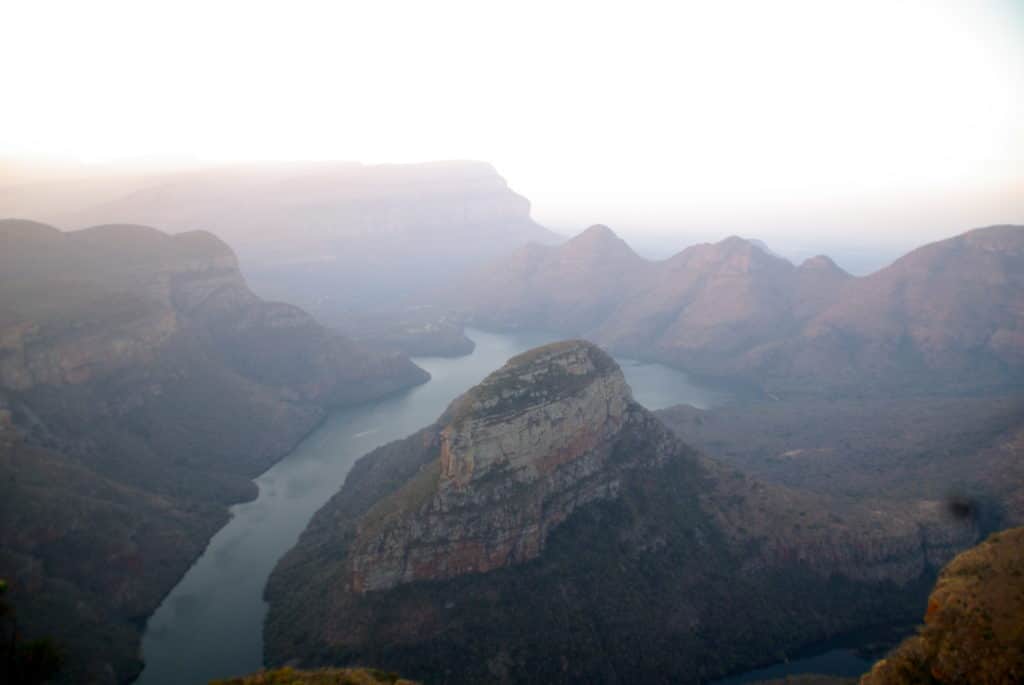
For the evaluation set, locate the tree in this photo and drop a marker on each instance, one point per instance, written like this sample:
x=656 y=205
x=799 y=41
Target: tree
x=25 y=662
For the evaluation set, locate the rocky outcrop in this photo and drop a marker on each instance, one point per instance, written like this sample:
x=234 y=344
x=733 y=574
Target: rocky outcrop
x=972 y=630
x=549 y=528
x=518 y=455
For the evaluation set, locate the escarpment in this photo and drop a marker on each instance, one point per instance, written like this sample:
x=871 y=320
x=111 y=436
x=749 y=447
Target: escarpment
x=142 y=387
x=549 y=528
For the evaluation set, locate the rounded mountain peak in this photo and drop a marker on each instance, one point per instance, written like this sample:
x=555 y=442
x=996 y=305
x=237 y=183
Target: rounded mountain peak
x=598 y=234
x=538 y=377
x=598 y=242
x=820 y=263
x=599 y=231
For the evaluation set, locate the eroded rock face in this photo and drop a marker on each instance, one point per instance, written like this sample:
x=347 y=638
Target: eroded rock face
x=517 y=455
x=534 y=415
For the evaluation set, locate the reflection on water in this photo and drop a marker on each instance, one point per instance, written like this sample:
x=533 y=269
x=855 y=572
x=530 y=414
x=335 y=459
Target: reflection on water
x=211 y=624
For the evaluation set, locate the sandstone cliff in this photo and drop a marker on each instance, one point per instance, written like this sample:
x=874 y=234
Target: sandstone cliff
x=517 y=456
x=549 y=528
x=142 y=386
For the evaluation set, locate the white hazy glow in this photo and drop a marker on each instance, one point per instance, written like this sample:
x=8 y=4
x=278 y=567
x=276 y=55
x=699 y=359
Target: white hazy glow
x=649 y=113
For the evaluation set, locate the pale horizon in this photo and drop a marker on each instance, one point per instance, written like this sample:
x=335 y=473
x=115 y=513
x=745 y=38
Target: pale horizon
x=875 y=124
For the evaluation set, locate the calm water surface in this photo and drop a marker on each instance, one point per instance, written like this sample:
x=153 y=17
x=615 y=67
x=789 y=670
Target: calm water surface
x=211 y=624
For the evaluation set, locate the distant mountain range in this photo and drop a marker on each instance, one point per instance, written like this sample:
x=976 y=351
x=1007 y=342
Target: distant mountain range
x=332 y=237
x=142 y=387
x=549 y=529
x=949 y=314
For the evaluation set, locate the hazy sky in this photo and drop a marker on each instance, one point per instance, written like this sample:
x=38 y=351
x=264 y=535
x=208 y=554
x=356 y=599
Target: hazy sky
x=897 y=119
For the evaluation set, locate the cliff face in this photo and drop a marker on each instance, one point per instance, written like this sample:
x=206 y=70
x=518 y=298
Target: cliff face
x=947 y=315
x=516 y=457
x=143 y=387
x=972 y=631
x=78 y=307
x=549 y=528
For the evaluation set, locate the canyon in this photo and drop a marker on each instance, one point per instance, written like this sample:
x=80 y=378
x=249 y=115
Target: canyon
x=549 y=527
x=142 y=387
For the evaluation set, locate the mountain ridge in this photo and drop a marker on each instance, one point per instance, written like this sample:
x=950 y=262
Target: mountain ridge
x=947 y=316
x=142 y=387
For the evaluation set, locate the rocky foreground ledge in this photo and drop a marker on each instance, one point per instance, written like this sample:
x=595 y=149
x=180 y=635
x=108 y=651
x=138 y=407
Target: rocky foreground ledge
x=547 y=528
x=973 y=629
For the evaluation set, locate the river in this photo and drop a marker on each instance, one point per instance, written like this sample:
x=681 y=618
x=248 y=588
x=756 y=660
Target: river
x=211 y=624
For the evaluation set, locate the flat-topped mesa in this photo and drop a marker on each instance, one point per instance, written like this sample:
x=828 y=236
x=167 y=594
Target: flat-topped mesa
x=542 y=409
x=515 y=456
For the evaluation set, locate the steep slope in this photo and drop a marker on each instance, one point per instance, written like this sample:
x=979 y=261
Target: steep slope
x=973 y=633
x=549 y=529
x=707 y=304
x=142 y=386
x=952 y=310
x=572 y=286
x=946 y=316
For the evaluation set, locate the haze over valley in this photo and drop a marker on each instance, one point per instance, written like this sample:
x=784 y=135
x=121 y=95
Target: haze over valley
x=470 y=343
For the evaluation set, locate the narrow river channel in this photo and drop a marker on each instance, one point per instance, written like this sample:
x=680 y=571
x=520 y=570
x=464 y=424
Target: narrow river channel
x=211 y=624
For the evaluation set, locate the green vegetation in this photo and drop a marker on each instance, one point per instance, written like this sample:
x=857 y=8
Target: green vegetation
x=409 y=498
x=911 y=448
